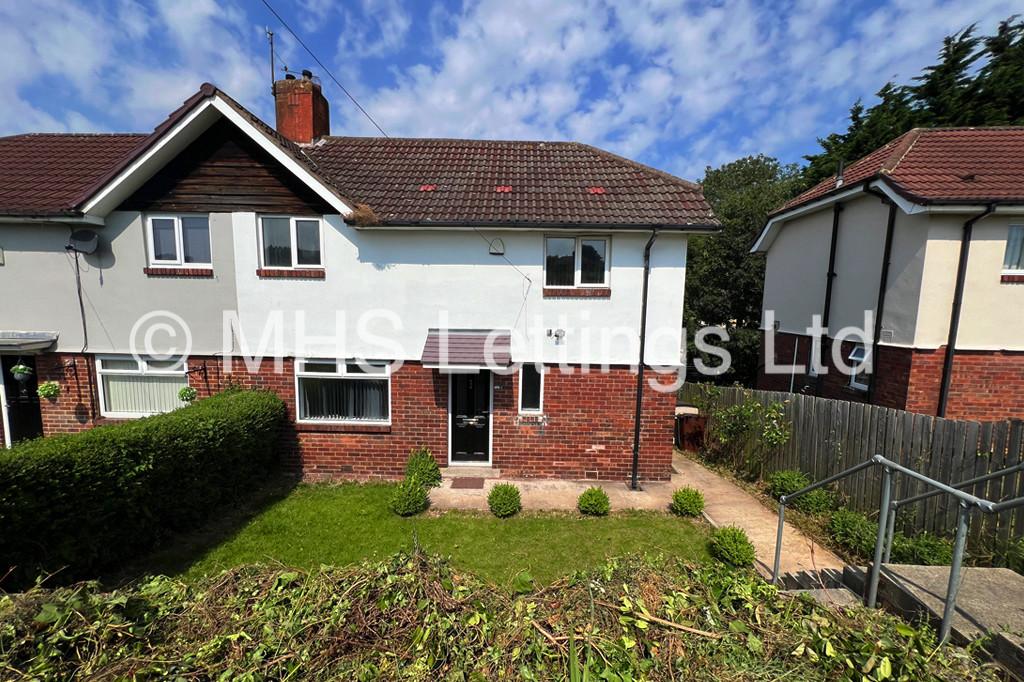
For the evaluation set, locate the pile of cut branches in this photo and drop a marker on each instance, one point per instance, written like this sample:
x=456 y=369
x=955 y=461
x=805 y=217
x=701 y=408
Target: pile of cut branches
x=416 y=617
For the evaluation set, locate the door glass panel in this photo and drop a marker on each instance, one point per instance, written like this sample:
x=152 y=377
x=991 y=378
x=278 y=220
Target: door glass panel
x=195 y=236
x=277 y=243
x=592 y=261
x=307 y=237
x=165 y=246
x=560 y=268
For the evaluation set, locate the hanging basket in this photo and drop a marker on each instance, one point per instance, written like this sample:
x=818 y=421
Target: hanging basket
x=21 y=372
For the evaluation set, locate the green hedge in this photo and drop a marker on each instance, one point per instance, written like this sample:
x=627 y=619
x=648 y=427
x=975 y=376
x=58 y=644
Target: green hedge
x=86 y=501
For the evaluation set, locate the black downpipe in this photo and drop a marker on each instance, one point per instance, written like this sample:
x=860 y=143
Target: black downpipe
x=880 y=305
x=958 y=300
x=827 y=309
x=640 y=370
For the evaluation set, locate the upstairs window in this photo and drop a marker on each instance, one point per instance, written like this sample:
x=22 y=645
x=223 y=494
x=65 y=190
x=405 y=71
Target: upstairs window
x=175 y=241
x=575 y=262
x=1013 y=261
x=343 y=391
x=531 y=389
x=131 y=387
x=290 y=242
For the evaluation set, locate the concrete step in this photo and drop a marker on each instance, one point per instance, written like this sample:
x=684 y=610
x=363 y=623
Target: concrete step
x=811 y=580
x=835 y=596
x=450 y=472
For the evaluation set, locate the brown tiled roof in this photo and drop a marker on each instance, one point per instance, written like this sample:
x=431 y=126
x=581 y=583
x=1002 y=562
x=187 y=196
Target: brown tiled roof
x=940 y=165
x=413 y=180
x=46 y=173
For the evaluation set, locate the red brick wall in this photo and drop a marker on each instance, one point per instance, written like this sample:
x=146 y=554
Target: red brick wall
x=586 y=431
x=985 y=385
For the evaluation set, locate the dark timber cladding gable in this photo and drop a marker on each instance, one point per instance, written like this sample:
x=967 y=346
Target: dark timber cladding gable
x=222 y=171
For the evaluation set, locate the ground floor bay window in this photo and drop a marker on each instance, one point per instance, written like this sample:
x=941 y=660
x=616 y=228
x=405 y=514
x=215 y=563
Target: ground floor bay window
x=340 y=391
x=138 y=387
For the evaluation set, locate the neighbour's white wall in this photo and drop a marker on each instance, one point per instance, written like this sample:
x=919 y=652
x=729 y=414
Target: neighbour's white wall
x=992 y=314
x=39 y=291
x=399 y=284
x=797 y=266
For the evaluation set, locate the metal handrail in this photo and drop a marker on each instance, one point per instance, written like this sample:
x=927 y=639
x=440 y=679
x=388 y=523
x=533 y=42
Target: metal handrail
x=886 y=524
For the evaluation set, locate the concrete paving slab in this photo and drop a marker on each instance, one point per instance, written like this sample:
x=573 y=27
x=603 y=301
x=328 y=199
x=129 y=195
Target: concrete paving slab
x=990 y=599
x=727 y=505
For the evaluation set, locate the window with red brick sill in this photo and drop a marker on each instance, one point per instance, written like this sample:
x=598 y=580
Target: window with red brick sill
x=290 y=243
x=576 y=262
x=178 y=241
x=343 y=392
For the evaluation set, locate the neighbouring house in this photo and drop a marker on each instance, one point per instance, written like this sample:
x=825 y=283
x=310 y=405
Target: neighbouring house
x=926 y=234
x=482 y=298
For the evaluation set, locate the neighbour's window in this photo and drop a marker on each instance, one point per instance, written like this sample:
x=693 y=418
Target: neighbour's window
x=531 y=388
x=339 y=391
x=575 y=262
x=1013 y=261
x=179 y=240
x=290 y=242
x=859 y=377
x=131 y=387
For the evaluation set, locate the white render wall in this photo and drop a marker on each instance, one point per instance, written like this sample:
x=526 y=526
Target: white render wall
x=398 y=284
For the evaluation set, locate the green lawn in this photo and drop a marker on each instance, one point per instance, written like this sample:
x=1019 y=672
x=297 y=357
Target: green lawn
x=343 y=524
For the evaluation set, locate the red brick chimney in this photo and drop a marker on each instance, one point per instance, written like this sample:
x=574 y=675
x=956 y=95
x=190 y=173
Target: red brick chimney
x=302 y=111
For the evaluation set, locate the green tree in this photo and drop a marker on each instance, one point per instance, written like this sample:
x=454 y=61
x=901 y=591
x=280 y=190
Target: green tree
x=724 y=281
x=1001 y=79
x=946 y=93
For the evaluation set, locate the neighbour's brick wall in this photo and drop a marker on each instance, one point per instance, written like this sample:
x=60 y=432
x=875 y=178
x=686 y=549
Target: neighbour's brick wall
x=586 y=430
x=985 y=385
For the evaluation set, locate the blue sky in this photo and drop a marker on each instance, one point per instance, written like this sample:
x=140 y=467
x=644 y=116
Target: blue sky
x=675 y=85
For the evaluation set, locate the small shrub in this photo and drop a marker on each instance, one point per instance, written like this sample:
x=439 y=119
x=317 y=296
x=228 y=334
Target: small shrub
x=409 y=497
x=731 y=545
x=787 y=482
x=594 y=502
x=687 y=502
x=853 y=531
x=423 y=467
x=924 y=550
x=504 y=500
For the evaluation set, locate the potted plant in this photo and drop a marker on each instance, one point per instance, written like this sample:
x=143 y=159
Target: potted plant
x=21 y=372
x=49 y=390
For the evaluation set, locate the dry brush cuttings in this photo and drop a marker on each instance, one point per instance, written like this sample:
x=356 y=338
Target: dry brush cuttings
x=363 y=215
x=415 y=617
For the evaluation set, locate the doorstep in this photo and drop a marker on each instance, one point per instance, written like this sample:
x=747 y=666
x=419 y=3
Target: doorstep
x=459 y=471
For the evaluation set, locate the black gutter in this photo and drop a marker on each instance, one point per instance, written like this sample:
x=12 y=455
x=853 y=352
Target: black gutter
x=958 y=300
x=697 y=227
x=827 y=308
x=882 y=284
x=640 y=370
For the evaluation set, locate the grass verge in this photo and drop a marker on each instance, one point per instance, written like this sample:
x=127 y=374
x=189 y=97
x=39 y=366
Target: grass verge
x=339 y=524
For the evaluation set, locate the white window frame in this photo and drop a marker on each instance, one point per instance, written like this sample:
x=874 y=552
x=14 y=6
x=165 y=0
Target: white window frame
x=341 y=371
x=293 y=233
x=179 y=240
x=578 y=266
x=855 y=362
x=540 y=408
x=1013 y=226
x=143 y=370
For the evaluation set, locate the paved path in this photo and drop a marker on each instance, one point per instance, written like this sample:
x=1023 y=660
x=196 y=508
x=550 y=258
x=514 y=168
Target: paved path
x=727 y=505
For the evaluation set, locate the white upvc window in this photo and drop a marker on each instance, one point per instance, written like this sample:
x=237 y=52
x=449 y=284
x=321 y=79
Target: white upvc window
x=343 y=391
x=1013 y=260
x=531 y=389
x=859 y=376
x=131 y=387
x=288 y=243
x=178 y=240
x=576 y=262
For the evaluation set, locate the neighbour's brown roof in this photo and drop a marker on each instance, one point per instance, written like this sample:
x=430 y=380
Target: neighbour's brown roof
x=939 y=165
x=45 y=174
x=404 y=180
x=412 y=180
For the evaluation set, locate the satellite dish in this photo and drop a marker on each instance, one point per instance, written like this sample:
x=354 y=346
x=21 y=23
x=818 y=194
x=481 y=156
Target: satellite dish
x=83 y=241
